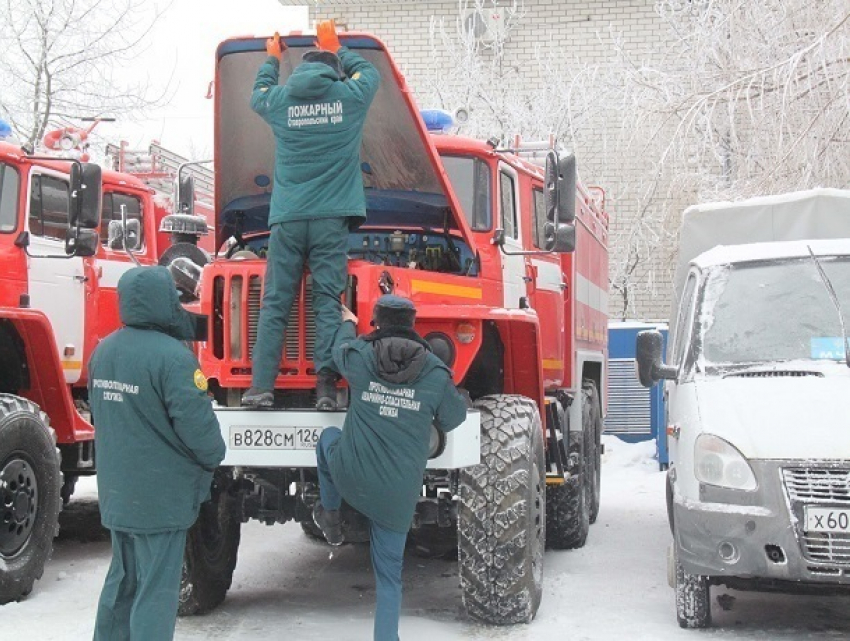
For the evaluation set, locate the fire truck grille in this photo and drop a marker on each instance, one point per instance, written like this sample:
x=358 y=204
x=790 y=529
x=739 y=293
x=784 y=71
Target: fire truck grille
x=296 y=334
x=255 y=294
x=817 y=485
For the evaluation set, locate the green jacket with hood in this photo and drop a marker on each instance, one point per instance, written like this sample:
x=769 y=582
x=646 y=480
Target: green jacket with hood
x=156 y=436
x=317 y=120
x=398 y=390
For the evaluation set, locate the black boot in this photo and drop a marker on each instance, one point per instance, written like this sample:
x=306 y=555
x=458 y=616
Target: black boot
x=255 y=397
x=326 y=390
x=329 y=522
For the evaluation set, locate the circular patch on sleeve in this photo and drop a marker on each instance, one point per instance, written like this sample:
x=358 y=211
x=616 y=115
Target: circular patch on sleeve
x=200 y=380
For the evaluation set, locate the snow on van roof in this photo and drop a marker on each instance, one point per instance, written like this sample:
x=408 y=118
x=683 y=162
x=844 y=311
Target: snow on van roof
x=726 y=254
x=770 y=201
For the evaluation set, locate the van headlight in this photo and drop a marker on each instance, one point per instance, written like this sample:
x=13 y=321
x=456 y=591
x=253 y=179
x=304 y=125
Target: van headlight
x=716 y=462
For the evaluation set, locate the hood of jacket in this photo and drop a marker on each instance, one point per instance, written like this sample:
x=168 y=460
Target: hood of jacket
x=148 y=299
x=311 y=80
x=400 y=354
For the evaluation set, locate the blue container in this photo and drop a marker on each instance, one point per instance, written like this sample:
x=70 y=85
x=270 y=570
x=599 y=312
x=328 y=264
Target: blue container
x=635 y=413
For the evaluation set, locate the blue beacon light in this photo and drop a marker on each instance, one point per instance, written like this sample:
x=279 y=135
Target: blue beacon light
x=437 y=120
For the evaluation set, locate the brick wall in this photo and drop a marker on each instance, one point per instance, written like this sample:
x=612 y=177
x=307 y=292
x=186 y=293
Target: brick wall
x=583 y=29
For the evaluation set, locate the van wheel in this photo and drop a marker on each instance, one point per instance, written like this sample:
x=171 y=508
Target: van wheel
x=502 y=514
x=30 y=482
x=693 y=599
x=211 y=548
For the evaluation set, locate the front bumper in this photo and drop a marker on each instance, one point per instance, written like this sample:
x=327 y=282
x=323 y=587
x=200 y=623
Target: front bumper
x=282 y=438
x=734 y=537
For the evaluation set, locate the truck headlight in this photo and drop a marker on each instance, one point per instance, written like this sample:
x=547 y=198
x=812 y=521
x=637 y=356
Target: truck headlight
x=717 y=462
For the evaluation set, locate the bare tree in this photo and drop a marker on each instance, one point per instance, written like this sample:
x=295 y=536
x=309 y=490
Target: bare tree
x=62 y=59
x=740 y=99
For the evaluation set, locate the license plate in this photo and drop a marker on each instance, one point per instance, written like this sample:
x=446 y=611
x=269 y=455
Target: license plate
x=824 y=519
x=247 y=437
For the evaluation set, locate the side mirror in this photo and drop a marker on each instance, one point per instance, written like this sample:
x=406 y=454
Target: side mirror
x=650 y=367
x=184 y=198
x=118 y=239
x=85 y=196
x=499 y=237
x=82 y=242
x=560 y=188
x=560 y=239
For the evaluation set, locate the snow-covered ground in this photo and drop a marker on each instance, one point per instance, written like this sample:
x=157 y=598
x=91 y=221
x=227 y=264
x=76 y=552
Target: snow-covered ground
x=287 y=587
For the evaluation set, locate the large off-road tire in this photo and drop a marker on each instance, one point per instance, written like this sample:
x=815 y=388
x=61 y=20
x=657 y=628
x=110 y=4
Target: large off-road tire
x=30 y=482
x=502 y=514
x=211 y=549
x=567 y=513
x=593 y=427
x=693 y=599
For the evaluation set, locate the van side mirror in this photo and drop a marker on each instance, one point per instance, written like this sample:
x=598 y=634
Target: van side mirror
x=184 y=197
x=650 y=366
x=85 y=196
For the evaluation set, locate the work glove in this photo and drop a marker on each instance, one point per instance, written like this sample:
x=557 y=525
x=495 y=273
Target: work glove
x=274 y=47
x=326 y=38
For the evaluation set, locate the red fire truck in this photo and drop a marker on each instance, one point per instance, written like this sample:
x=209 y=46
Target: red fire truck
x=60 y=261
x=507 y=264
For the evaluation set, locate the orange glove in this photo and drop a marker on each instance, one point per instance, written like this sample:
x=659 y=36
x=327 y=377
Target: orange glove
x=326 y=38
x=274 y=47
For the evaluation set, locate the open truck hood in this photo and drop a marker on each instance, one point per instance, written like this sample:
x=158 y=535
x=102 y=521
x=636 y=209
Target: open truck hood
x=780 y=416
x=396 y=145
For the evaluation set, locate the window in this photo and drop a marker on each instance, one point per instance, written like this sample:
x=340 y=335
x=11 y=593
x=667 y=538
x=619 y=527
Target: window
x=539 y=218
x=9 y=179
x=470 y=180
x=112 y=203
x=49 y=207
x=507 y=192
x=683 y=325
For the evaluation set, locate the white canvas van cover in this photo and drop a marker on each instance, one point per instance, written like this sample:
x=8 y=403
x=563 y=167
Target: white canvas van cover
x=803 y=215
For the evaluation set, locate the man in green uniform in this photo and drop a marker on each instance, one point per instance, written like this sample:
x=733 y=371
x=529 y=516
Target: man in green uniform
x=399 y=389
x=158 y=442
x=317 y=119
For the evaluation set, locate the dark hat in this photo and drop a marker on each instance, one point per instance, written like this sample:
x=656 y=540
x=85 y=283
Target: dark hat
x=394 y=311
x=326 y=58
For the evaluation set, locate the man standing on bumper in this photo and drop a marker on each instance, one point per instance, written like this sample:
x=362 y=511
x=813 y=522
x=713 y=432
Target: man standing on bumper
x=398 y=390
x=317 y=119
x=158 y=443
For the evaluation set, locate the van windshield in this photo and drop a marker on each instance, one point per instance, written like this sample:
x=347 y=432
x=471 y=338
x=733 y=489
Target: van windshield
x=775 y=310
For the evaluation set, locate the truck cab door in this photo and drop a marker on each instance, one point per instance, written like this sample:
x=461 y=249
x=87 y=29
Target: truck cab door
x=57 y=285
x=112 y=259
x=514 y=272
x=546 y=291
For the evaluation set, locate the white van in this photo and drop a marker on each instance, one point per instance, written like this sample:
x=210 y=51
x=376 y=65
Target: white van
x=757 y=382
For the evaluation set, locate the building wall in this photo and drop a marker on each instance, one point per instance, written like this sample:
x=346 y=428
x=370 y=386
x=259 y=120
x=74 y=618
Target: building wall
x=585 y=29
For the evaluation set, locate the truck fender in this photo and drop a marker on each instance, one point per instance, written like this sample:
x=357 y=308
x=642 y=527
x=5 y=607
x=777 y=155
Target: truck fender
x=47 y=387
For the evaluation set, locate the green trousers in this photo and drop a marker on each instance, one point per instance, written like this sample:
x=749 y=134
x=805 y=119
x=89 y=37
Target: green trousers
x=142 y=588
x=323 y=245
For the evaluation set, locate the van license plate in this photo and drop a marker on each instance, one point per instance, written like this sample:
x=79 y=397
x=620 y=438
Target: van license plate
x=823 y=519
x=247 y=437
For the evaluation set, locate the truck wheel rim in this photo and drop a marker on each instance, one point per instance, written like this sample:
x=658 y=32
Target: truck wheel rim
x=18 y=505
